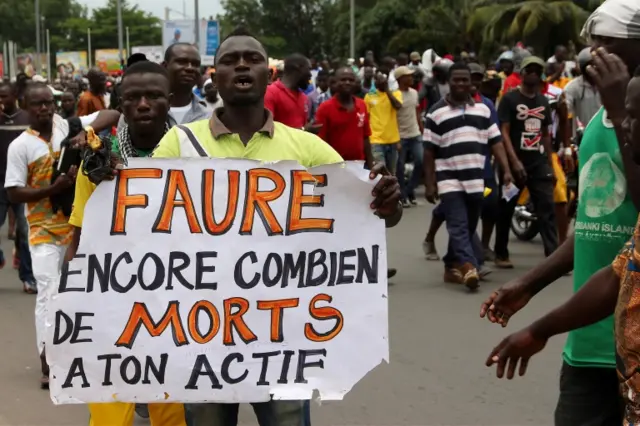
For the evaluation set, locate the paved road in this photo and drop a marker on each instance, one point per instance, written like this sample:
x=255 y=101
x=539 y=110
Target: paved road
x=438 y=348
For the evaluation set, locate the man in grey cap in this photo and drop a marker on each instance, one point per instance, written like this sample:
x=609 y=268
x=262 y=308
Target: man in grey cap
x=607 y=213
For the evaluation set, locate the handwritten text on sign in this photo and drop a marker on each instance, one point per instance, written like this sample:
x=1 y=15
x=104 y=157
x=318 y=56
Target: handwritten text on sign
x=222 y=280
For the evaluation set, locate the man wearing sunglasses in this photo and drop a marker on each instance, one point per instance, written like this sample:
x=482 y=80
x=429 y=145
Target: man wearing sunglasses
x=525 y=118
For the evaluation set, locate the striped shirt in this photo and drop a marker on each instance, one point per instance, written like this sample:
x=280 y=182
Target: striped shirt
x=459 y=137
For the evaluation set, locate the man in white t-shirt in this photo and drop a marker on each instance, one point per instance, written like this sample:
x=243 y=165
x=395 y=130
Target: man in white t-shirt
x=30 y=169
x=410 y=127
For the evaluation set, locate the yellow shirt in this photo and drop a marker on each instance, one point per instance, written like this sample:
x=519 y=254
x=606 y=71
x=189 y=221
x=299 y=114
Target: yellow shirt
x=561 y=83
x=383 y=117
x=274 y=142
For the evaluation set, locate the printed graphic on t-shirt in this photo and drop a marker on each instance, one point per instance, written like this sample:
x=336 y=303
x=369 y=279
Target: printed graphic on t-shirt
x=531 y=136
x=361 y=116
x=607 y=187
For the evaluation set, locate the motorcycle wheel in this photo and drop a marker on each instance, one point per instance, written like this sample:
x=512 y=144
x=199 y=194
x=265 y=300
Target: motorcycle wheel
x=524 y=230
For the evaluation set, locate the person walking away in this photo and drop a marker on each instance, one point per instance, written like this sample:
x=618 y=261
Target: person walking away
x=344 y=121
x=244 y=119
x=14 y=121
x=410 y=128
x=30 y=165
x=454 y=168
x=589 y=389
x=146 y=97
x=284 y=98
x=211 y=97
x=68 y=105
x=383 y=106
x=92 y=100
x=525 y=118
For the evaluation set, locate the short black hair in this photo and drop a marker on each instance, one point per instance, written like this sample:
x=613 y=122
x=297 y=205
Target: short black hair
x=169 y=53
x=459 y=66
x=240 y=31
x=322 y=74
x=295 y=61
x=145 y=67
x=636 y=73
x=135 y=58
x=32 y=88
x=12 y=87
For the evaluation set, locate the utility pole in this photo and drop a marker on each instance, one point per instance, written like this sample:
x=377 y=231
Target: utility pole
x=197 y=22
x=38 y=47
x=89 y=53
x=128 y=47
x=352 y=29
x=120 y=41
x=49 y=77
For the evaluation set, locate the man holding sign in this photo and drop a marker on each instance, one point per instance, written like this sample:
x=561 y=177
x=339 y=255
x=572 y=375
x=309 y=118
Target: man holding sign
x=243 y=128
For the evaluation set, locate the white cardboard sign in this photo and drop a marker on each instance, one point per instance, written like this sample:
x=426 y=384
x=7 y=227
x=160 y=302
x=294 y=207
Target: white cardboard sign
x=221 y=280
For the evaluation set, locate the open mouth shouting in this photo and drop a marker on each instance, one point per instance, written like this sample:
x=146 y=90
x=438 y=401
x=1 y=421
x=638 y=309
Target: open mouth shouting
x=243 y=82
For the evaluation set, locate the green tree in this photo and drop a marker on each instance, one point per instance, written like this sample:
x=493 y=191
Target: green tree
x=144 y=28
x=538 y=23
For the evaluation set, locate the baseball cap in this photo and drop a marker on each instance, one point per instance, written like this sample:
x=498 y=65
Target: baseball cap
x=415 y=56
x=476 y=68
x=402 y=71
x=532 y=60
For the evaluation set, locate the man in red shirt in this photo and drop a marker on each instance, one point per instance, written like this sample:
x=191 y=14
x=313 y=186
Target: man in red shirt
x=285 y=98
x=343 y=120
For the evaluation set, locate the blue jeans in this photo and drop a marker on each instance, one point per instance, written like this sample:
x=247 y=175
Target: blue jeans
x=387 y=154
x=415 y=147
x=271 y=413
x=22 y=234
x=462 y=213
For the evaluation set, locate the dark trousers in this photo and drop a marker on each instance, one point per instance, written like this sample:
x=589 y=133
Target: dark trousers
x=589 y=397
x=462 y=213
x=22 y=234
x=415 y=148
x=540 y=185
x=271 y=413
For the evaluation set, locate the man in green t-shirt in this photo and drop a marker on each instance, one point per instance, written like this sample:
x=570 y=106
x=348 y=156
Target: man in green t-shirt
x=607 y=213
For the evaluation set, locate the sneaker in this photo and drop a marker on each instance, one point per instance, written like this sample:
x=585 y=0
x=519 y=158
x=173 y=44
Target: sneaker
x=484 y=271
x=30 y=287
x=405 y=204
x=489 y=255
x=2 y=261
x=452 y=276
x=470 y=276
x=429 y=248
x=503 y=263
x=413 y=201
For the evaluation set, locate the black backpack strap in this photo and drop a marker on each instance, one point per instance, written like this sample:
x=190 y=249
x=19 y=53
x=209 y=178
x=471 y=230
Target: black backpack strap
x=194 y=141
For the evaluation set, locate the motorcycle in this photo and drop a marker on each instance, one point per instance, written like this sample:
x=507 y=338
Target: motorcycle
x=524 y=222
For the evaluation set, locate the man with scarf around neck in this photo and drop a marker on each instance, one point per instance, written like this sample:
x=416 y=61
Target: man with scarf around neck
x=145 y=100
